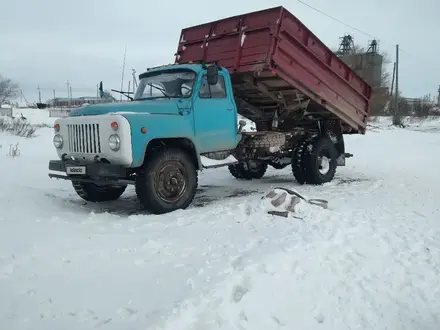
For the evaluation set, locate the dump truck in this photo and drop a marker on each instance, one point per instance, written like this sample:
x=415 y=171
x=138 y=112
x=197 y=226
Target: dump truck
x=265 y=66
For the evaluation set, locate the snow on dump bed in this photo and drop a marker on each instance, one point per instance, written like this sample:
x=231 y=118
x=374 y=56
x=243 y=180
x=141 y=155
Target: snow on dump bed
x=369 y=261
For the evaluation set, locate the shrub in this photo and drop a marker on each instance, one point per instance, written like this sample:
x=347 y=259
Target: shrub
x=19 y=127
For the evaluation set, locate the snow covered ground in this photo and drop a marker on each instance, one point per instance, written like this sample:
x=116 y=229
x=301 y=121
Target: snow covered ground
x=370 y=261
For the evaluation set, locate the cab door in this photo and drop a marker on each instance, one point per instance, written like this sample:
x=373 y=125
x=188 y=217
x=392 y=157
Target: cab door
x=215 y=116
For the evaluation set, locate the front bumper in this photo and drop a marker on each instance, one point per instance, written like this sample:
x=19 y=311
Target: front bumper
x=93 y=172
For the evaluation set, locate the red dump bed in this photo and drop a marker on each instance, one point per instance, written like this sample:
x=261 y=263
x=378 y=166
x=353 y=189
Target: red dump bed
x=277 y=51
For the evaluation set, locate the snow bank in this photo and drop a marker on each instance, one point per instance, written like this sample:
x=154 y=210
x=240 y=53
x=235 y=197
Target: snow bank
x=317 y=287
x=385 y=122
x=34 y=116
x=369 y=261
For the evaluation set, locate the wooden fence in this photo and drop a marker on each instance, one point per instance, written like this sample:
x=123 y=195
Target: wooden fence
x=5 y=111
x=59 y=113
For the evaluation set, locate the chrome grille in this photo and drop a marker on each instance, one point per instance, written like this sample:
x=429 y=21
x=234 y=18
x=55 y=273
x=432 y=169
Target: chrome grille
x=84 y=138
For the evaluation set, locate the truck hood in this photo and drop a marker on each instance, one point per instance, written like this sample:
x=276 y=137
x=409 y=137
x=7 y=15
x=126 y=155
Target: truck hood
x=145 y=107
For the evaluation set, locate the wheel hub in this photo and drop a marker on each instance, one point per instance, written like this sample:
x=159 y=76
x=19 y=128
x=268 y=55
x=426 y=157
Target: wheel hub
x=170 y=182
x=252 y=166
x=324 y=165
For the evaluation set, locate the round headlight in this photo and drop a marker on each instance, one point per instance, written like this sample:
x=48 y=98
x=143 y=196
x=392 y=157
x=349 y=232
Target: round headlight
x=114 y=142
x=58 y=141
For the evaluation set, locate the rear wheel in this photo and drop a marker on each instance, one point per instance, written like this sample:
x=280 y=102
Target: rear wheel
x=321 y=161
x=236 y=171
x=298 y=160
x=314 y=160
x=249 y=170
x=167 y=181
x=91 y=192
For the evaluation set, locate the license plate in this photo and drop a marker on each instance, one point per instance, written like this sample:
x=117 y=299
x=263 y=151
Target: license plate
x=76 y=170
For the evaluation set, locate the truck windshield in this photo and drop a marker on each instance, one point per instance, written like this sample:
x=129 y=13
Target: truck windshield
x=166 y=84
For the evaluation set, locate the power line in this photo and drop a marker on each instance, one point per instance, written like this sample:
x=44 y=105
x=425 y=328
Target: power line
x=363 y=32
x=335 y=19
x=346 y=24
x=418 y=57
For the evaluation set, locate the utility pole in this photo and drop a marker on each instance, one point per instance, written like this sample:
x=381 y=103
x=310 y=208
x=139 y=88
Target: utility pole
x=68 y=91
x=438 y=96
x=39 y=94
x=396 y=117
x=392 y=85
x=123 y=70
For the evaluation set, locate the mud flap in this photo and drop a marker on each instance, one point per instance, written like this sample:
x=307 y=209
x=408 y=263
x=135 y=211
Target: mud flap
x=340 y=161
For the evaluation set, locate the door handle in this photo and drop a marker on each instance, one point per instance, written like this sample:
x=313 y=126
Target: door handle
x=183 y=112
x=231 y=108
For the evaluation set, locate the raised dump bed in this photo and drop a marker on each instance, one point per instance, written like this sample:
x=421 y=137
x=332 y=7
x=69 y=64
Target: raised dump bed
x=277 y=63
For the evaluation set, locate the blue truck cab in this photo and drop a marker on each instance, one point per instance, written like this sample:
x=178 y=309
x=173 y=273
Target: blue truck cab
x=156 y=141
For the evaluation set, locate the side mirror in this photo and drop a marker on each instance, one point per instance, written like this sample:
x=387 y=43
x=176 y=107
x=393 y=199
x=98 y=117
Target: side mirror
x=212 y=75
x=241 y=124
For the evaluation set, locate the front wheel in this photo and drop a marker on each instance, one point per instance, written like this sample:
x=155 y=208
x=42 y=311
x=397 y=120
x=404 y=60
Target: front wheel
x=91 y=192
x=167 y=181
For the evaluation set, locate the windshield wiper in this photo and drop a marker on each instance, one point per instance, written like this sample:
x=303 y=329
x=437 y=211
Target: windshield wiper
x=123 y=93
x=151 y=98
x=160 y=89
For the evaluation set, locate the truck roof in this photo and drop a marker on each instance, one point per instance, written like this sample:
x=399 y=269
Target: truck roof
x=195 y=67
x=276 y=61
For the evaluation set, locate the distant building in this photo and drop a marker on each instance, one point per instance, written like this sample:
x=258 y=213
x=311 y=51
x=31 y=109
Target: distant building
x=367 y=64
x=63 y=102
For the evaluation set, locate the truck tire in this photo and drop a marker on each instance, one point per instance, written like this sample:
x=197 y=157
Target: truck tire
x=298 y=160
x=248 y=171
x=93 y=193
x=321 y=161
x=167 y=181
x=236 y=171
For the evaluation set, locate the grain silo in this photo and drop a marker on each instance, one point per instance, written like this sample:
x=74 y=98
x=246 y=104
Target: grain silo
x=367 y=64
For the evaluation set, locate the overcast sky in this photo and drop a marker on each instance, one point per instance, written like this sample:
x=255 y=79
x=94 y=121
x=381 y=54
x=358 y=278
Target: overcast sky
x=48 y=42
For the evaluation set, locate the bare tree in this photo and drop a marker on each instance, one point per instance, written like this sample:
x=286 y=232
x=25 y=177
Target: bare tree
x=380 y=96
x=8 y=89
x=386 y=75
x=405 y=109
x=423 y=106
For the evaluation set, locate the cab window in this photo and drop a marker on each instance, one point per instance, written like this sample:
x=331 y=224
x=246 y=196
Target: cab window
x=218 y=91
